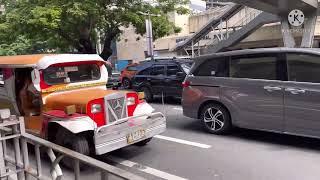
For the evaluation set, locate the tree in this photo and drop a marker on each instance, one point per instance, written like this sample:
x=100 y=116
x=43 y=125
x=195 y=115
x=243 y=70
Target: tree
x=64 y=25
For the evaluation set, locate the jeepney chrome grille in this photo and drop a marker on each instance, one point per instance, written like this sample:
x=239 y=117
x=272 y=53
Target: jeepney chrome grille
x=116 y=109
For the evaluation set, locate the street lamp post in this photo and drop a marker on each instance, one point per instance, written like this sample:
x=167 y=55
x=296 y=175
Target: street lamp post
x=149 y=33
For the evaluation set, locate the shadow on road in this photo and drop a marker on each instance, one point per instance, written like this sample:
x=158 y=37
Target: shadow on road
x=259 y=136
x=167 y=100
x=275 y=138
x=195 y=127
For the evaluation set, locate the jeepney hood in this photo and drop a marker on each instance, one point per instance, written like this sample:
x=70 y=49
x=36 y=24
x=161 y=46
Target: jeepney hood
x=79 y=98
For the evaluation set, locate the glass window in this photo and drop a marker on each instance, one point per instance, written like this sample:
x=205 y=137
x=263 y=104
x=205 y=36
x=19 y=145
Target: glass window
x=186 y=67
x=303 y=68
x=157 y=70
x=254 y=67
x=71 y=74
x=213 y=67
x=145 y=71
x=1 y=78
x=172 y=70
x=132 y=68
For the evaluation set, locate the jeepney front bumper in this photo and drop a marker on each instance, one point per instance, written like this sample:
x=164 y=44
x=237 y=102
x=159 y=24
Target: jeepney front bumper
x=128 y=131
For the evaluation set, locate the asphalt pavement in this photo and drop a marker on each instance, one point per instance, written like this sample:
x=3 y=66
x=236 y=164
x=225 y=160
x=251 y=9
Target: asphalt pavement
x=186 y=151
x=242 y=155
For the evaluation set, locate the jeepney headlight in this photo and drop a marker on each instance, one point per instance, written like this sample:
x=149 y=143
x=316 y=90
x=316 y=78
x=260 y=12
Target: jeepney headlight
x=131 y=101
x=96 y=108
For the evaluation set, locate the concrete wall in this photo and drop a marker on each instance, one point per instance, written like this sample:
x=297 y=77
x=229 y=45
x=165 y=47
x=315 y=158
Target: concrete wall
x=199 y=20
x=181 y=21
x=131 y=46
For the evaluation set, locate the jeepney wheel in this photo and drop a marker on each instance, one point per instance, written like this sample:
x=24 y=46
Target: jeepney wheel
x=75 y=142
x=143 y=142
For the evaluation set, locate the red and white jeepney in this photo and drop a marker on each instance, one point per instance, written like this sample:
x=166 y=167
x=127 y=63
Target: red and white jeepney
x=64 y=99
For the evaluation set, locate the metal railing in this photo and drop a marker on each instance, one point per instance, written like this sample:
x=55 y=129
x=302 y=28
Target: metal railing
x=249 y=16
x=12 y=129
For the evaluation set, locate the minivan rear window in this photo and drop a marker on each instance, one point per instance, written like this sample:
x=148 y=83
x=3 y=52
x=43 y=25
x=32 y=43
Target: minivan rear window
x=213 y=67
x=254 y=67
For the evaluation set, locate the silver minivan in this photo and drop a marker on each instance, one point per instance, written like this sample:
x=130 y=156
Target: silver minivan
x=271 y=89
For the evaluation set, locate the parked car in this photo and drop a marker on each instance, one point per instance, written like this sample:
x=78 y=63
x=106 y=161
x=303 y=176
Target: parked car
x=127 y=75
x=272 y=89
x=113 y=80
x=130 y=71
x=161 y=77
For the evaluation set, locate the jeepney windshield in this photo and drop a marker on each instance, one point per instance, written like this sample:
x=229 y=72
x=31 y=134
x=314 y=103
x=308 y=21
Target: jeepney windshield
x=71 y=74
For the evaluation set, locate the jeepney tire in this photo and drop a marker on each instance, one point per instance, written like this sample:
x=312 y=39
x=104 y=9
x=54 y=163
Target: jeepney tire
x=148 y=96
x=143 y=142
x=75 y=142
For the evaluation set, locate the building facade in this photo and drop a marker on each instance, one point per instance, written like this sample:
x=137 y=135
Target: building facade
x=133 y=47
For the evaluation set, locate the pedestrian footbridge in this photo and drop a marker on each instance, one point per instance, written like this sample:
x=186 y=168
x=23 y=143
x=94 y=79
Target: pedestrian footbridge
x=228 y=33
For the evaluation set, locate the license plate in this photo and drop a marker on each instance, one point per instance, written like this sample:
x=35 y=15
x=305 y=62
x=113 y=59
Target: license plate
x=135 y=136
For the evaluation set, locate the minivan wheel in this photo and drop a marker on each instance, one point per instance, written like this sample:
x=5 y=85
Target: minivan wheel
x=216 y=119
x=148 y=96
x=126 y=83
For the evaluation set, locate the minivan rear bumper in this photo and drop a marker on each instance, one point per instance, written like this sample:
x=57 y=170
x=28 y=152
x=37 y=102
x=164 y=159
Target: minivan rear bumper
x=190 y=107
x=190 y=112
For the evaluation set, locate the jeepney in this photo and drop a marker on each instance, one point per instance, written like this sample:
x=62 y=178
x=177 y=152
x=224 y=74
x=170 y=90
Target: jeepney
x=63 y=98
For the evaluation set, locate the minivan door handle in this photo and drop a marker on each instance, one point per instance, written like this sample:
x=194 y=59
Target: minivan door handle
x=272 y=88
x=295 y=91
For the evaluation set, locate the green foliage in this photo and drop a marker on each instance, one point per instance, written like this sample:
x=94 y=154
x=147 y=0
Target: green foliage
x=20 y=46
x=36 y=26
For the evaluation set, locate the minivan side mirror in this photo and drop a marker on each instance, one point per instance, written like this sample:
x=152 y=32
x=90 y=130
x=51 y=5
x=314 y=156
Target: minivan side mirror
x=180 y=74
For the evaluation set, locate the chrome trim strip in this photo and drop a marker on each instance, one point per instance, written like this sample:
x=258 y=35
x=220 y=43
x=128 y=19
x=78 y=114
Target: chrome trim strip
x=127 y=118
x=150 y=130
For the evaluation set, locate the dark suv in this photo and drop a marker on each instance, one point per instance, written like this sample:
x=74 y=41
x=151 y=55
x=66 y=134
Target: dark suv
x=161 y=77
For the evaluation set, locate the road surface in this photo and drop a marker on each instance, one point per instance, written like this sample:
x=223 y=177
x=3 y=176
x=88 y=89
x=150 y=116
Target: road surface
x=185 y=151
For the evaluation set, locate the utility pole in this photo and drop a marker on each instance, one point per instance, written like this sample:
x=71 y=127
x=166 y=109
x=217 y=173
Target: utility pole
x=149 y=34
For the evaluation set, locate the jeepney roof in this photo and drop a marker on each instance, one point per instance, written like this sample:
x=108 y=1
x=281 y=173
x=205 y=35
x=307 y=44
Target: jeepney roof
x=42 y=61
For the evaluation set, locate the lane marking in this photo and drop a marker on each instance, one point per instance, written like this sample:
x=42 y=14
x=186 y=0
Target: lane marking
x=178 y=108
x=181 y=141
x=145 y=169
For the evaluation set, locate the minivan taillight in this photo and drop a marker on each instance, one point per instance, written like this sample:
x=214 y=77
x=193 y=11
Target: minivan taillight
x=186 y=84
x=95 y=110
